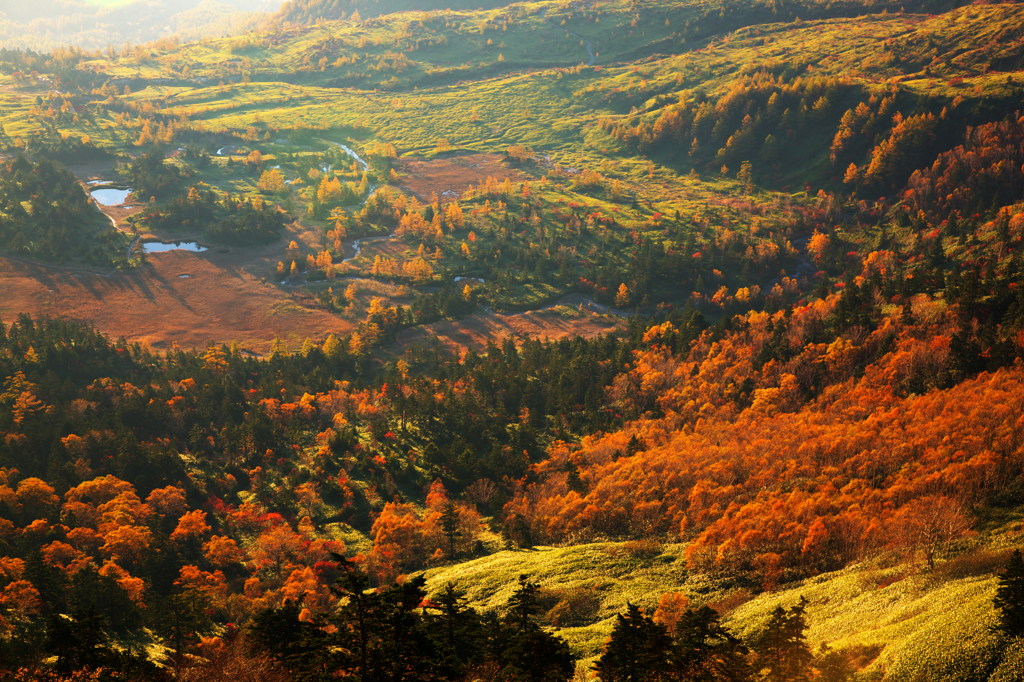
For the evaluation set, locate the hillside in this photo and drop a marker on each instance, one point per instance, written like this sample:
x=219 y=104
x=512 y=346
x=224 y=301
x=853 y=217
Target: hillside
x=302 y=12
x=632 y=340
x=884 y=616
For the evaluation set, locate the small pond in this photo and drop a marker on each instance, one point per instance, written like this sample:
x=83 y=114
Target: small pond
x=111 y=197
x=157 y=247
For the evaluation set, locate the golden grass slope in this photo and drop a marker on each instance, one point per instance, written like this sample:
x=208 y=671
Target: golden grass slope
x=908 y=624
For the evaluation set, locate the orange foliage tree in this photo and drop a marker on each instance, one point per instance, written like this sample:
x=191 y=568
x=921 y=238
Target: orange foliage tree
x=782 y=485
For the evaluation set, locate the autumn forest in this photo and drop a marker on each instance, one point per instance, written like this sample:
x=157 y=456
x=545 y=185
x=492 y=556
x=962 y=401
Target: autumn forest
x=536 y=342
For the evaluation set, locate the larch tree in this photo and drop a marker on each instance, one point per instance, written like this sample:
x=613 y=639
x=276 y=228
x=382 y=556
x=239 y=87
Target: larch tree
x=271 y=181
x=622 y=296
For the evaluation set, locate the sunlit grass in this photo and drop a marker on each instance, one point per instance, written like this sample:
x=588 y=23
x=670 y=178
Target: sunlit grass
x=924 y=629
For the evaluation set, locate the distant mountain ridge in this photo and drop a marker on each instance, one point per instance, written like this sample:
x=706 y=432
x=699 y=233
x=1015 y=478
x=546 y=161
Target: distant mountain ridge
x=47 y=24
x=308 y=11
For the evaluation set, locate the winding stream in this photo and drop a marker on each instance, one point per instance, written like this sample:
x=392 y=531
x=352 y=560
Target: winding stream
x=357 y=244
x=590 y=48
x=362 y=164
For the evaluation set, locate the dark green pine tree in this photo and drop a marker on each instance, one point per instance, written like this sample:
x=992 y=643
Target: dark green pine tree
x=526 y=652
x=533 y=655
x=1009 y=599
x=704 y=651
x=182 y=616
x=456 y=629
x=832 y=665
x=300 y=645
x=782 y=652
x=358 y=618
x=450 y=526
x=61 y=640
x=507 y=543
x=637 y=650
x=92 y=641
x=378 y=636
x=523 y=603
x=403 y=651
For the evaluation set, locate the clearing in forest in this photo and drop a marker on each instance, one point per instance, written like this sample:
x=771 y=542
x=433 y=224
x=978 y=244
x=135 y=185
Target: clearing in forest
x=155 y=304
x=475 y=331
x=449 y=177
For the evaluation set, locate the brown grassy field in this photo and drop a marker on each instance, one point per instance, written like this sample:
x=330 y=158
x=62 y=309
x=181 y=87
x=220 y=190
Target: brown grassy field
x=475 y=331
x=450 y=177
x=218 y=301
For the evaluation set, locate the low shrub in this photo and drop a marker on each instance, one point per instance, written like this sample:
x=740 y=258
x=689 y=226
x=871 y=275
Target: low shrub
x=642 y=549
x=573 y=607
x=979 y=562
x=732 y=602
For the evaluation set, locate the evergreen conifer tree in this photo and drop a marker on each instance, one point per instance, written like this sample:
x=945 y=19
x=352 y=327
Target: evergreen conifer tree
x=450 y=526
x=782 y=652
x=523 y=603
x=1009 y=599
x=704 y=650
x=637 y=650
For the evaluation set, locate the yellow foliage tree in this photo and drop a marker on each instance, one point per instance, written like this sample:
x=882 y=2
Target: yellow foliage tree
x=271 y=181
x=356 y=345
x=329 y=190
x=818 y=245
x=622 y=296
x=331 y=346
x=454 y=216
